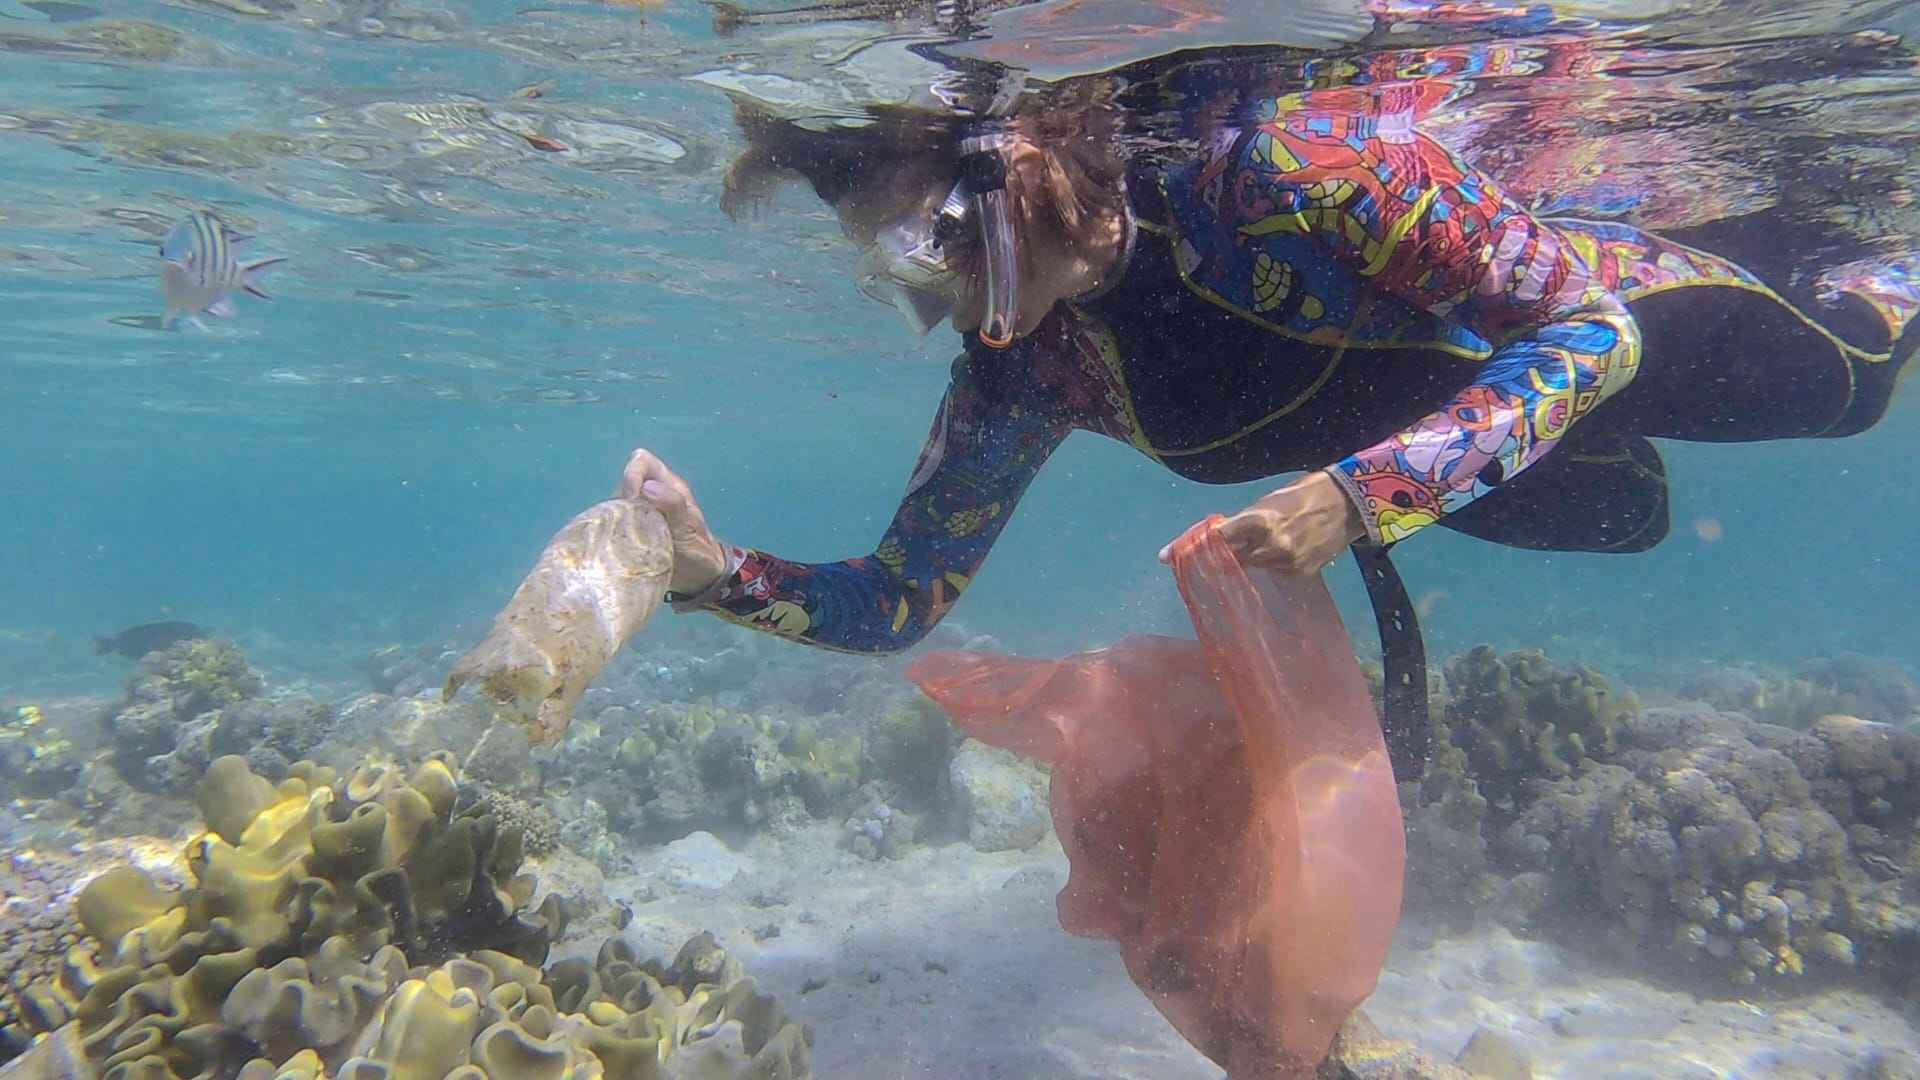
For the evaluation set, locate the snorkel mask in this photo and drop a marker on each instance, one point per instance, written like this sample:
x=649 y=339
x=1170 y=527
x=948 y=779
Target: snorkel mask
x=908 y=265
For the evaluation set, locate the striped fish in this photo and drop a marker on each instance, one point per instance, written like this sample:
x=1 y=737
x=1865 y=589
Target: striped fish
x=201 y=267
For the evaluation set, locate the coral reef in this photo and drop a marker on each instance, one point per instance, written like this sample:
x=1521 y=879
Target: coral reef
x=37 y=925
x=366 y=926
x=539 y=829
x=1703 y=842
x=163 y=731
x=1498 y=723
x=38 y=760
x=1520 y=717
x=197 y=676
x=271 y=732
x=120 y=767
x=675 y=769
x=1843 y=685
x=1712 y=844
x=375 y=859
x=877 y=831
x=1449 y=864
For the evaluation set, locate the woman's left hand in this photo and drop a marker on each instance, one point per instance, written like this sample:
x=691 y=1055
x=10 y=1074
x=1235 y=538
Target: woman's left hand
x=1298 y=529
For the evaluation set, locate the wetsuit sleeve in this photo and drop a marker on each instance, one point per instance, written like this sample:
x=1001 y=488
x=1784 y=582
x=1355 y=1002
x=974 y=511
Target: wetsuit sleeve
x=1450 y=243
x=1522 y=401
x=976 y=464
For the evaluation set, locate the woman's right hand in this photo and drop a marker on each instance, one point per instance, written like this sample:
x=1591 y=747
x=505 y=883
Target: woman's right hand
x=699 y=559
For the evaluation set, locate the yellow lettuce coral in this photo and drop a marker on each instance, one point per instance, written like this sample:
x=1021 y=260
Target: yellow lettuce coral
x=255 y=970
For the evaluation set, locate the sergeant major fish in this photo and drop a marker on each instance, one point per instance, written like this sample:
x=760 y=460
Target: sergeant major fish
x=200 y=267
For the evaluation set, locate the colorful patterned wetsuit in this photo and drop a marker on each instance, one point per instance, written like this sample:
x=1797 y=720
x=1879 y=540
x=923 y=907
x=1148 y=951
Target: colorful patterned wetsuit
x=1321 y=285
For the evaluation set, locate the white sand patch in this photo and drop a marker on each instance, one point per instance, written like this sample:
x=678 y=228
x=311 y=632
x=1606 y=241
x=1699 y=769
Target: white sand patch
x=951 y=963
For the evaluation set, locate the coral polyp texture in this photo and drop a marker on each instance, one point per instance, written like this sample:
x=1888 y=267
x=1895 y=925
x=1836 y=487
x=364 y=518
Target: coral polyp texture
x=1519 y=716
x=1705 y=842
x=373 y=926
x=673 y=769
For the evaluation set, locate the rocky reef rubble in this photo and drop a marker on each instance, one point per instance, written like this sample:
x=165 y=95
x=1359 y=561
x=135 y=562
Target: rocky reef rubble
x=660 y=774
x=126 y=766
x=638 y=765
x=1694 y=833
x=123 y=765
x=38 y=927
x=1704 y=843
x=376 y=925
x=1845 y=685
x=1000 y=798
x=1361 y=1052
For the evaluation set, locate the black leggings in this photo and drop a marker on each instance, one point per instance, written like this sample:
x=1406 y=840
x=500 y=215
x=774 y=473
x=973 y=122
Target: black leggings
x=1719 y=364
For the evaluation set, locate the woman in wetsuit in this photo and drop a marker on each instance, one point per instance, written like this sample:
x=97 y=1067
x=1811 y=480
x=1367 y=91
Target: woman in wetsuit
x=1303 y=281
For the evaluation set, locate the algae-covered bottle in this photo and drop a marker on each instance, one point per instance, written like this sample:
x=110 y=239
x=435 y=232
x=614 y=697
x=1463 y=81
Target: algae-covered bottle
x=600 y=579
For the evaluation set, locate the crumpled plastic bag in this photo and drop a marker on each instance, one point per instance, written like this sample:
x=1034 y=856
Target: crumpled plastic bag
x=1226 y=804
x=601 y=577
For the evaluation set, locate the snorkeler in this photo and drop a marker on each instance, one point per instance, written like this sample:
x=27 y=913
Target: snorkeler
x=1299 y=280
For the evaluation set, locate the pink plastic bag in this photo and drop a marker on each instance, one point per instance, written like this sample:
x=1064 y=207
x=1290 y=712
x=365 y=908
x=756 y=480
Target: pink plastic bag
x=1226 y=805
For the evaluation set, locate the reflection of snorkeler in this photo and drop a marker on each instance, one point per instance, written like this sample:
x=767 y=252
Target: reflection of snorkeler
x=1308 y=283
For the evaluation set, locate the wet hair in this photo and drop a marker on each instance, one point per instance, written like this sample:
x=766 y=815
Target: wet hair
x=1075 y=125
x=833 y=162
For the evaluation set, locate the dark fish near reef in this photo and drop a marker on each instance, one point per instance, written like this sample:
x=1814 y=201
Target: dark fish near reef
x=137 y=641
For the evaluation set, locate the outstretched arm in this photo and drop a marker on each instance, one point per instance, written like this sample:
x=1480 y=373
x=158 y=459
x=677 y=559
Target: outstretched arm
x=1385 y=218
x=977 y=463
x=1420 y=225
x=1519 y=405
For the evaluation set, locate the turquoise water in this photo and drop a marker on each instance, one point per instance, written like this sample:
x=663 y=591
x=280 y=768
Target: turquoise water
x=508 y=268
x=470 y=335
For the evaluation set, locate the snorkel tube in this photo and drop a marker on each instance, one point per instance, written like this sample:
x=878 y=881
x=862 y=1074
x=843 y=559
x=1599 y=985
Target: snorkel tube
x=907 y=265
x=983 y=177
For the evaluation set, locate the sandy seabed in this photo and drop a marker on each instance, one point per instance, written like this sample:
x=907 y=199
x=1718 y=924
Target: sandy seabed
x=950 y=963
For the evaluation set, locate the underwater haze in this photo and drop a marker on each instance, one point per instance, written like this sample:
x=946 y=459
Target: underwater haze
x=506 y=266
x=471 y=333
